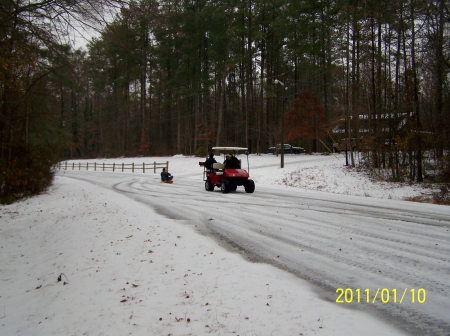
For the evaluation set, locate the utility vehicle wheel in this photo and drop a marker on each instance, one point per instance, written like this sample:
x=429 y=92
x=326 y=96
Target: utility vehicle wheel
x=233 y=187
x=209 y=186
x=249 y=186
x=225 y=186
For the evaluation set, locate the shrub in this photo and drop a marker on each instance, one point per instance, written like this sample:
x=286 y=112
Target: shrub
x=446 y=168
x=442 y=197
x=28 y=173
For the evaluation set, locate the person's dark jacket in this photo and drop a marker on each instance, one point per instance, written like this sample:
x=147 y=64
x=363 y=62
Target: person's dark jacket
x=210 y=161
x=232 y=162
x=165 y=175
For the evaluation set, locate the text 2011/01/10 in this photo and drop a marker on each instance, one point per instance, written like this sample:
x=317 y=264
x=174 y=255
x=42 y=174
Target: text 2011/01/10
x=384 y=295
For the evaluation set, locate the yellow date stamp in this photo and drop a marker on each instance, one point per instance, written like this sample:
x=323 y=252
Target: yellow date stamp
x=383 y=295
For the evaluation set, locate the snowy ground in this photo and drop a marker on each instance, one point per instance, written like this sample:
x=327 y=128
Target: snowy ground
x=125 y=268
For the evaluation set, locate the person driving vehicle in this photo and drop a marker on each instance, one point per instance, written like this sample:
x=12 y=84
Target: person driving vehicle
x=231 y=161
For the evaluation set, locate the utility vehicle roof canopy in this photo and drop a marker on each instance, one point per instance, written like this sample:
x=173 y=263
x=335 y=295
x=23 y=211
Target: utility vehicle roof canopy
x=230 y=149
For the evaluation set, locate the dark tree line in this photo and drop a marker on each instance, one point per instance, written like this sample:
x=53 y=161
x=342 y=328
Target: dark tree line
x=180 y=76
x=39 y=83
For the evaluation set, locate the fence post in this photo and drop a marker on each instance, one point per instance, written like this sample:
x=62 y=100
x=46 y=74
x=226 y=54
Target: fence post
x=167 y=165
x=87 y=165
x=154 y=167
x=122 y=166
x=114 y=166
x=79 y=165
x=95 y=166
x=143 y=167
x=132 y=167
x=73 y=165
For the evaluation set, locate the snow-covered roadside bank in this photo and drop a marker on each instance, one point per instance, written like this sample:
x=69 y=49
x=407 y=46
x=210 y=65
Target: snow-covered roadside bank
x=127 y=270
x=330 y=174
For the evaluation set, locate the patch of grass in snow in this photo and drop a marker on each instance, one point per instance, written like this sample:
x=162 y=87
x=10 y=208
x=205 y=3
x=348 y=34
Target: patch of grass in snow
x=437 y=193
x=441 y=197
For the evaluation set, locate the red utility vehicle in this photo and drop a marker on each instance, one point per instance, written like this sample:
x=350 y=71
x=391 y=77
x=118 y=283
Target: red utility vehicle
x=228 y=179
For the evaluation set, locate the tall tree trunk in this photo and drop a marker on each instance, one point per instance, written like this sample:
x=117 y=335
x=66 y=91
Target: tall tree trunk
x=143 y=103
x=416 y=95
x=374 y=109
x=347 y=94
x=221 y=102
x=439 y=75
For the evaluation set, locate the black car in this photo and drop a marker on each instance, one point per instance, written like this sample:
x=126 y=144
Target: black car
x=288 y=149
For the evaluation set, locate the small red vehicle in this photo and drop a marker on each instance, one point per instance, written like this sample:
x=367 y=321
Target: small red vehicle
x=228 y=179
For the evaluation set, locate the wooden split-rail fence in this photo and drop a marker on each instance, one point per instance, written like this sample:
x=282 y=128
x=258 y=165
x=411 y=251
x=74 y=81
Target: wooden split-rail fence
x=102 y=166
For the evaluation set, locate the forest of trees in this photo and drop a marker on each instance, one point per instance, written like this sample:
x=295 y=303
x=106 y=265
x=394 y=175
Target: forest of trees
x=180 y=76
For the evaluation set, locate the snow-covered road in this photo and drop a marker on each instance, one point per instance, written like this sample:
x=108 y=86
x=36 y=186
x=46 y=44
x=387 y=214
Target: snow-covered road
x=394 y=254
